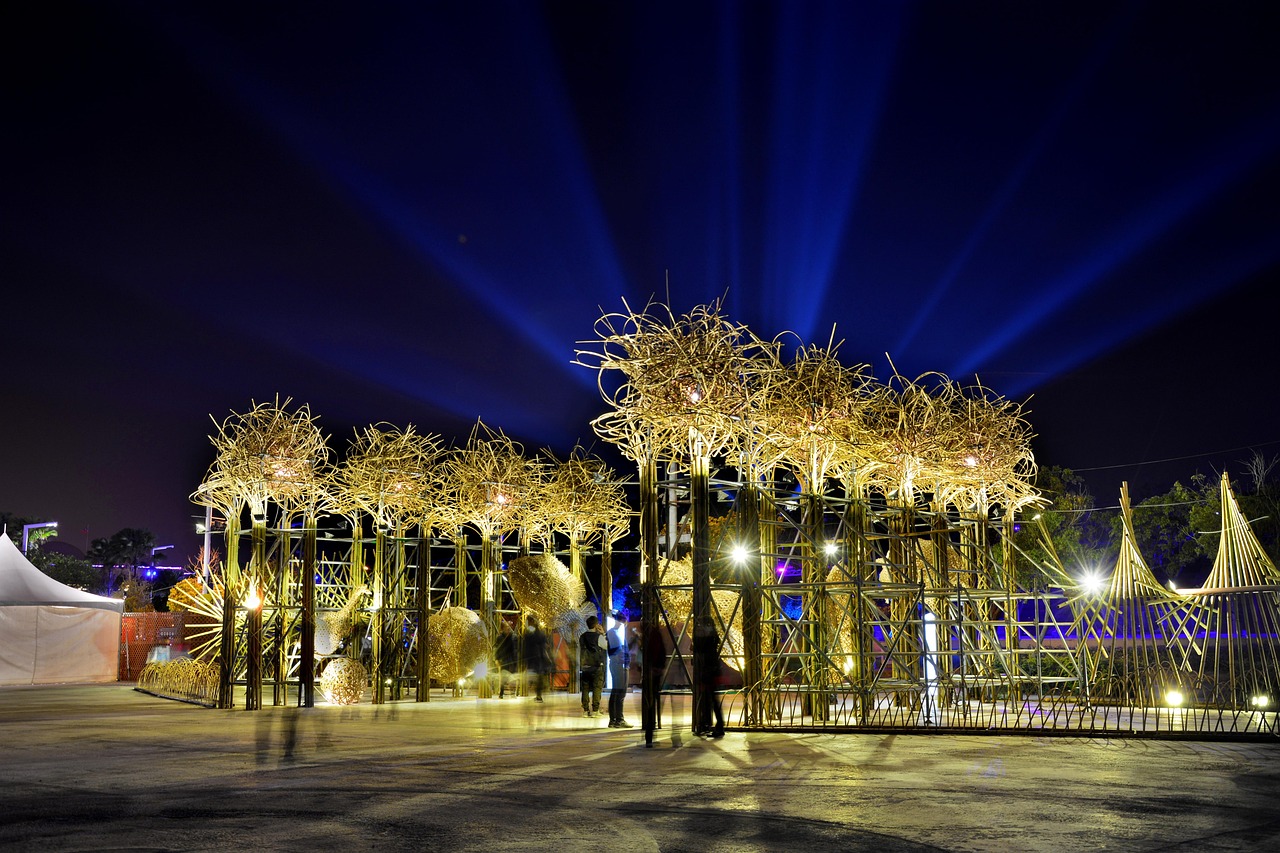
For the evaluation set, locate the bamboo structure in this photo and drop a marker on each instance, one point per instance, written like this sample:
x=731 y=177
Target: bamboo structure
x=885 y=589
x=864 y=577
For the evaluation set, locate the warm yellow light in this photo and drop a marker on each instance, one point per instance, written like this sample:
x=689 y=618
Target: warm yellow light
x=1173 y=698
x=831 y=548
x=971 y=461
x=1091 y=582
x=252 y=601
x=1260 y=701
x=739 y=554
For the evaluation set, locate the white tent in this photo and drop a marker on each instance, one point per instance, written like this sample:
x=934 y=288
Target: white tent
x=51 y=633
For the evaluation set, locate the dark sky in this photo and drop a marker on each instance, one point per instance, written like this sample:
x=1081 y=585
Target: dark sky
x=411 y=214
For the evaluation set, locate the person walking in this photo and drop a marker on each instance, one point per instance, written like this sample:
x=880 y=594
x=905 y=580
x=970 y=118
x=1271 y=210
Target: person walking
x=619 y=671
x=537 y=656
x=591 y=661
x=506 y=654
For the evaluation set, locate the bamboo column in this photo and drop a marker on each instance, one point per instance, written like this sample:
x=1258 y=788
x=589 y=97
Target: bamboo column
x=752 y=574
x=422 y=604
x=650 y=618
x=253 y=659
x=230 y=587
x=700 y=504
x=279 y=615
x=307 y=653
x=377 y=617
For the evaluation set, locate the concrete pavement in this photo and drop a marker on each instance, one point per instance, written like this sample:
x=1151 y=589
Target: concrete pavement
x=108 y=768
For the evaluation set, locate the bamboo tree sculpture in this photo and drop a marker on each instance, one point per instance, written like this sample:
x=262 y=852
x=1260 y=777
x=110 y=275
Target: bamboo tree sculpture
x=490 y=480
x=389 y=475
x=267 y=456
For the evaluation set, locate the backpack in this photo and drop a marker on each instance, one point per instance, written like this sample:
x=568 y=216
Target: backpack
x=592 y=650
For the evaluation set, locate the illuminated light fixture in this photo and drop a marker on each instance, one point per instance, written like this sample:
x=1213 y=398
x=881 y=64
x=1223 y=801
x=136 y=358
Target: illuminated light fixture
x=739 y=554
x=1035 y=517
x=1260 y=701
x=831 y=548
x=252 y=601
x=1174 y=698
x=1173 y=586
x=1091 y=582
x=971 y=461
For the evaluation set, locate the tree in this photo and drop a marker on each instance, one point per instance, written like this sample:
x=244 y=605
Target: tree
x=1079 y=534
x=13 y=525
x=64 y=568
x=120 y=555
x=1262 y=505
x=1166 y=530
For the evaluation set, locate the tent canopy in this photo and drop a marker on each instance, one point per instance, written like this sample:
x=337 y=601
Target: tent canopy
x=51 y=633
x=22 y=583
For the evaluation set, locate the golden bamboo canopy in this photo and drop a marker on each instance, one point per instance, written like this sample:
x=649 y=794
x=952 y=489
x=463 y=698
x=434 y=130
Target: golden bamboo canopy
x=685 y=379
x=267 y=454
x=699 y=383
x=488 y=481
x=581 y=498
x=812 y=411
x=389 y=474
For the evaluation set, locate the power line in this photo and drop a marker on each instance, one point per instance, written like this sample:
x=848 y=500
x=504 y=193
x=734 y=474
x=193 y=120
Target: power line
x=1179 y=458
x=1134 y=507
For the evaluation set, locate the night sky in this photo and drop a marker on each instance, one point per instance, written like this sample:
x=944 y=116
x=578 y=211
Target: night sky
x=412 y=214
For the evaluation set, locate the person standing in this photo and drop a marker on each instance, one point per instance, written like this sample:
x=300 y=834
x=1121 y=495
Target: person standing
x=619 y=671
x=591 y=661
x=537 y=656
x=706 y=655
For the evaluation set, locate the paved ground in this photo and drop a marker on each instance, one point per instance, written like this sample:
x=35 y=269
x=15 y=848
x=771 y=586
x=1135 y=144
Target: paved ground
x=107 y=768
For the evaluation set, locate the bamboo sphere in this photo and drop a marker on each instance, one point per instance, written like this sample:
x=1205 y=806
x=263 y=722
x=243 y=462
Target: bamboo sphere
x=458 y=641
x=344 y=680
x=545 y=587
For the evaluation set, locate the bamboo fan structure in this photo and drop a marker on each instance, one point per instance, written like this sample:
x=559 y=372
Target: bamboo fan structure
x=1235 y=618
x=1132 y=630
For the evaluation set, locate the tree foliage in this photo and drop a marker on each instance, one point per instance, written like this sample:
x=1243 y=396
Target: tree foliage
x=1079 y=533
x=1167 y=527
x=120 y=556
x=73 y=571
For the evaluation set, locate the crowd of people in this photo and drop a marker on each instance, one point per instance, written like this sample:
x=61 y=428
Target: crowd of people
x=526 y=663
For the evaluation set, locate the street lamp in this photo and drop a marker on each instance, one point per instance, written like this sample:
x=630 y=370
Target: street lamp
x=27 y=528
